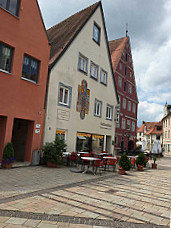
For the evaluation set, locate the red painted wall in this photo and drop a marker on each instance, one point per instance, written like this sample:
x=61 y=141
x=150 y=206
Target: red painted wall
x=129 y=97
x=20 y=98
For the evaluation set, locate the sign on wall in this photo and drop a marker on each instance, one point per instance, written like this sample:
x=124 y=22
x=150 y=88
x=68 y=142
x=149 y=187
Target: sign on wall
x=83 y=99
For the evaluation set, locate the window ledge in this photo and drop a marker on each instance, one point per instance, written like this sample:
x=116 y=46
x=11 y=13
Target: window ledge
x=96 y=79
x=6 y=72
x=84 y=72
x=10 y=13
x=28 y=80
x=103 y=83
x=108 y=119
x=98 y=43
x=97 y=115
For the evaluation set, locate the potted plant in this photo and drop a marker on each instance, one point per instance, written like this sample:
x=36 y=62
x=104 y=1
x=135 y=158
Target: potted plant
x=52 y=152
x=8 y=156
x=154 y=165
x=140 y=162
x=124 y=164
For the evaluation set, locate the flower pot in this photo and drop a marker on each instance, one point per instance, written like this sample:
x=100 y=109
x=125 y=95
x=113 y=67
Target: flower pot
x=121 y=171
x=51 y=165
x=7 y=165
x=140 y=168
x=154 y=166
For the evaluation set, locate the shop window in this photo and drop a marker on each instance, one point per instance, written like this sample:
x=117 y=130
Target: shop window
x=103 y=77
x=10 y=5
x=61 y=134
x=64 y=95
x=83 y=142
x=98 y=108
x=96 y=33
x=109 y=112
x=83 y=63
x=30 y=68
x=94 y=69
x=6 y=53
x=97 y=143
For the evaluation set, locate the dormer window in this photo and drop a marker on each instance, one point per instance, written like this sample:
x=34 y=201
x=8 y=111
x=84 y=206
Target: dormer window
x=10 y=5
x=96 y=33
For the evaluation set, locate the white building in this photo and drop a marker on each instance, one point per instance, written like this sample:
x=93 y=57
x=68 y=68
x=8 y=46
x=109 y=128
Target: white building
x=81 y=96
x=167 y=128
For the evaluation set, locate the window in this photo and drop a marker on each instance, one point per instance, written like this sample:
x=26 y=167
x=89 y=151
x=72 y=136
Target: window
x=82 y=63
x=130 y=89
x=64 y=95
x=119 y=97
x=130 y=74
x=123 y=123
x=120 y=82
x=6 y=53
x=129 y=105
x=109 y=112
x=134 y=108
x=116 y=139
x=30 y=68
x=128 y=127
x=133 y=126
x=98 y=108
x=168 y=133
x=124 y=103
x=125 y=86
x=117 y=117
x=96 y=33
x=11 y=5
x=103 y=77
x=126 y=71
x=120 y=66
x=94 y=69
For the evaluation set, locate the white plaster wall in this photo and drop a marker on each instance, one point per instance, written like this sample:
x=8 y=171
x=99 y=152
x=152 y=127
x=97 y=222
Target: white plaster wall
x=66 y=72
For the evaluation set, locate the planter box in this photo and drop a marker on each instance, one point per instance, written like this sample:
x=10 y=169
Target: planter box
x=121 y=171
x=51 y=165
x=154 y=166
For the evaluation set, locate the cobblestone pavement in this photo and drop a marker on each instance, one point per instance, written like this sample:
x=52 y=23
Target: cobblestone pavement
x=50 y=198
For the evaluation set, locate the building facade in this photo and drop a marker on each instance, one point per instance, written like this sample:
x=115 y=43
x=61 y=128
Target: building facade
x=81 y=97
x=167 y=128
x=126 y=121
x=23 y=77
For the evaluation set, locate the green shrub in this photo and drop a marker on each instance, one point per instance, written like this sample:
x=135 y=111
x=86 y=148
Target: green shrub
x=8 y=153
x=52 y=152
x=154 y=159
x=141 y=160
x=124 y=162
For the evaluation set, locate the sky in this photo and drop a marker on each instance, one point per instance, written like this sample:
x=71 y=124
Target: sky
x=149 y=29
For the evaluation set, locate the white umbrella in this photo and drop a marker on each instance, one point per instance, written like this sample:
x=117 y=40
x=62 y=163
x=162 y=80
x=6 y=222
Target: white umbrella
x=154 y=149
x=143 y=145
x=159 y=149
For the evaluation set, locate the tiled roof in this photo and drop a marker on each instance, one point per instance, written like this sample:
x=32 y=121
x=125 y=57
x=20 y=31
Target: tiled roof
x=141 y=129
x=62 y=34
x=116 y=48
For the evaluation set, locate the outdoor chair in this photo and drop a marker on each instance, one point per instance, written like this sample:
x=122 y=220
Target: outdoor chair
x=133 y=163
x=112 y=163
x=73 y=158
x=97 y=165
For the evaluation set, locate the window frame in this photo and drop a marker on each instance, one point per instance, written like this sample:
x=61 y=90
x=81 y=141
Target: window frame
x=95 y=108
x=134 y=108
x=102 y=70
x=38 y=66
x=119 y=82
x=11 y=56
x=97 y=67
x=99 y=30
x=8 y=5
x=133 y=126
x=125 y=86
x=129 y=106
x=123 y=123
x=124 y=103
x=110 y=107
x=69 y=88
x=130 y=89
x=128 y=121
x=79 y=65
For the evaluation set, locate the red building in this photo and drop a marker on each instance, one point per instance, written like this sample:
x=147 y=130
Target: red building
x=126 y=121
x=24 y=55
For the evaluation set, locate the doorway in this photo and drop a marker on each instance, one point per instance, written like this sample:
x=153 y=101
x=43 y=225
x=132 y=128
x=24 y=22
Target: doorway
x=130 y=145
x=108 y=144
x=19 y=138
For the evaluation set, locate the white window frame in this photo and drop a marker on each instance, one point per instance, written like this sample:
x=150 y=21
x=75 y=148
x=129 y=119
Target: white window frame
x=133 y=107
x=109 y=112
x=103 y=77
x=128 y=126
x=96 y=28
x=98 y=108
x=133 y=126
x=96 y=67
x=130 y=74
x=65 y=88
x=82 y=63
x=124 y=103
x=130 y=89
x=123 y=123
x=129 y=106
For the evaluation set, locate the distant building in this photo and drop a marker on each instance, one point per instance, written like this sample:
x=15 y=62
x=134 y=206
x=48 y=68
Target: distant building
x=167 y=128
x=150 y=131
x=81 y=97
x=24 y=55
x=126 y=121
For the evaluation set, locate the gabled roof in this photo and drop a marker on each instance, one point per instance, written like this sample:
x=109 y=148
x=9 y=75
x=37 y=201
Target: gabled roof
x=62 y=34
x=116 y=48
x=141 y=129
x=154 y=130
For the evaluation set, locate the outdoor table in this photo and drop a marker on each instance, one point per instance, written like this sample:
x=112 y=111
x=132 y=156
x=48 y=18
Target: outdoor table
x=91 y=160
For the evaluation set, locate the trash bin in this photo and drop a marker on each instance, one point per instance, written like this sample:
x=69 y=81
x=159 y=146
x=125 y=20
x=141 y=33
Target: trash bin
x=36 y=157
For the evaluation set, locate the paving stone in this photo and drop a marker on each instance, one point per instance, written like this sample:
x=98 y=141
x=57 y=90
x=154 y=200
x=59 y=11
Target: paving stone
x=16 y=221
x=32 y=223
